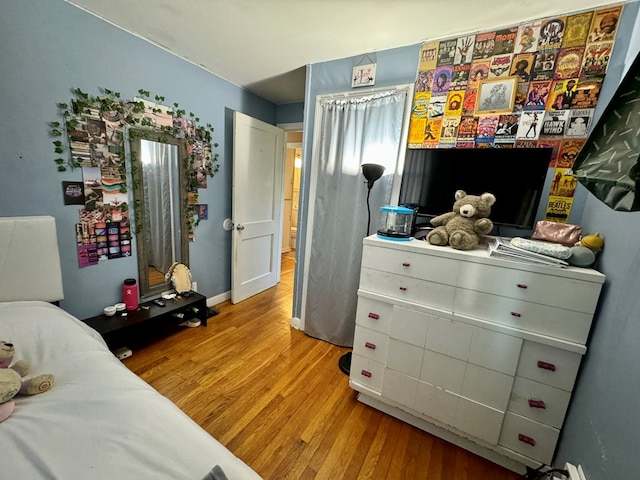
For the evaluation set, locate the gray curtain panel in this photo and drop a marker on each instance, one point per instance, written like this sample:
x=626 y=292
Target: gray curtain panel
x=353 y=131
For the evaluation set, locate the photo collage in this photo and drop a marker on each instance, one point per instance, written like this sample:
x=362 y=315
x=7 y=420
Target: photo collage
x=96 y=142
x=531 y=85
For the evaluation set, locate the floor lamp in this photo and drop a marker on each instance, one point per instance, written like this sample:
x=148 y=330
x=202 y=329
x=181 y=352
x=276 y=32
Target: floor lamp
x=372 y=172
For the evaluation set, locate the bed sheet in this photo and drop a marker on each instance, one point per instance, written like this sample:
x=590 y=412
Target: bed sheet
x=100 y=420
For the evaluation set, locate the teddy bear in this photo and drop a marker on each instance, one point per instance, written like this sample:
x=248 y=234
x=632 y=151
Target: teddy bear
x=12 y=382
x=462 y=227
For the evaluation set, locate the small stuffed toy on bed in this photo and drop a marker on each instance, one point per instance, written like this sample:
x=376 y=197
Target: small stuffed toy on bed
x=12 y=382
x=461 y=227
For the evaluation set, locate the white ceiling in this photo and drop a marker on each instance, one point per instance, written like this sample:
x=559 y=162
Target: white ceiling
x=264 y=45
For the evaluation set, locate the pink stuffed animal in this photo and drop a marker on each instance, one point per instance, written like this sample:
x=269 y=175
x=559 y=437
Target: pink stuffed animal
x=12 y=382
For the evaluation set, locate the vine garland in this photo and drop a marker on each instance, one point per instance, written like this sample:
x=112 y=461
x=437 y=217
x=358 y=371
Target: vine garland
x=117 y=114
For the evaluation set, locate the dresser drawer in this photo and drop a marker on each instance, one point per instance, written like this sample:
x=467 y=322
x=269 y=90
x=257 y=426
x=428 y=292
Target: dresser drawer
x=476 y=345
x=405 y=358
x=366 y=372
x=371 y=344
x=567 y=293
x=436 y=295
x=539 y=402
x=374 y=315
x=533 y=317
x=436 y=403
x=400 y=388
x=479 y=420
x=551 y=366
x=528 y=437
x=410 y=326
x=424 y=267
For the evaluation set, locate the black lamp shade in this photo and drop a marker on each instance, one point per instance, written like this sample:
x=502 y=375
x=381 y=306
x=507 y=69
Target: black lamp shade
x=372 y=172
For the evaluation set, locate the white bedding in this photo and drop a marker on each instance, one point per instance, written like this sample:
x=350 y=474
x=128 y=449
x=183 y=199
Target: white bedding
x=99 y=421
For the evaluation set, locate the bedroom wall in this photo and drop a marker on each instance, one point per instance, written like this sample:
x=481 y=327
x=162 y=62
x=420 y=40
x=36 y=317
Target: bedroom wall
x=601 y=430
x=50 y=47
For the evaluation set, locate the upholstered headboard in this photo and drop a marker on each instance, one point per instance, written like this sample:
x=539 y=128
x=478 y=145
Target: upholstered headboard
x=29 y=259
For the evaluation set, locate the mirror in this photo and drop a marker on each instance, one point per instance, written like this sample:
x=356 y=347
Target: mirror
x=159 y=192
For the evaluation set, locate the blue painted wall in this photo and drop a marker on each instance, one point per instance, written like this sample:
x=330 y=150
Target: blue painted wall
x=601 y=430
x=50 y=47
x=290 y=113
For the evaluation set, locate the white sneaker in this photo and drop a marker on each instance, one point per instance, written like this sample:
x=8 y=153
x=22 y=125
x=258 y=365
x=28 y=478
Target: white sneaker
x=194 y=322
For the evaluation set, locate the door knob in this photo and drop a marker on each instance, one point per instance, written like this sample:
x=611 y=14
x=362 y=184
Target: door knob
x=240 y=227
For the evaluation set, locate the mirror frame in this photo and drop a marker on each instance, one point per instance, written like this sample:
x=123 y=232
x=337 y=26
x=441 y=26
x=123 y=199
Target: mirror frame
x=145 y=290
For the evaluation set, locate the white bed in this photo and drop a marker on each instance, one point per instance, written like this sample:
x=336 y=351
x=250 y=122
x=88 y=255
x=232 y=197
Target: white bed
x=99 y=421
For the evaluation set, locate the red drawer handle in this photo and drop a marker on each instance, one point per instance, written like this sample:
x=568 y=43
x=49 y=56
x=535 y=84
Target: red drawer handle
x=516 y=314
x=375 y=316
x=372 y=346
x=405 y=264
x=527 y=440
x=537 y=404
x=366 y=373
x=546 y=366
x=522 y=285
x=404 y=289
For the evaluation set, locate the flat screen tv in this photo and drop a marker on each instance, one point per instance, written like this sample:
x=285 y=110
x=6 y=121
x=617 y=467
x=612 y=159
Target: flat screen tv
x=516 y=177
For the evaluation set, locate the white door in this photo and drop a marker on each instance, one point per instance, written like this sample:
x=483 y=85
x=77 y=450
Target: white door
x=257 y=198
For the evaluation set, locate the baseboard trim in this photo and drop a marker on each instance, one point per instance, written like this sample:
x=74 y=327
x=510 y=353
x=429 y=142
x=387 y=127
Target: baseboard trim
x=223 y=297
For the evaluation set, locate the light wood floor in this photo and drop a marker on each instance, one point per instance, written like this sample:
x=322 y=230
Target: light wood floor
x=276 y=398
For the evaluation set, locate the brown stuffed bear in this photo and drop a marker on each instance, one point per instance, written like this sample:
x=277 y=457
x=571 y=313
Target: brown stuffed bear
x=461 y=227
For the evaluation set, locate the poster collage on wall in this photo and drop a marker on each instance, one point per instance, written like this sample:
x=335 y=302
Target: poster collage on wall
x=531 y=85
x=103 y=230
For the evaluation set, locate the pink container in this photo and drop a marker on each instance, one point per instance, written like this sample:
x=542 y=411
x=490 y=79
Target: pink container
x=130 y=293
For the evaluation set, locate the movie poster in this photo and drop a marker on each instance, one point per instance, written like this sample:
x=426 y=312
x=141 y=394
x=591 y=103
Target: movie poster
x=544 y=65
x=464 y=50
x=529 y=126
x=604 y=24
x=562 y=94
x=500 y=65
x=487 y=126
x=596 y=59
x=507 y=128
x=484 y=45
x=432 y=132
x=551 y=33
x=424 y=82
x=446 y=52
x=467 y=128
x=453 y=107
x=449 y=130
x=579 y=123
x=460 y=77
x=469 y=102
x=479 y=71
x=554 y=124
x=527 y=38
x=577 y=29
x=587 y=92
x=521 y=66
x=537 y=95
x=568 y=63
x=428 y=56
x=441 y=80
x=505 y=41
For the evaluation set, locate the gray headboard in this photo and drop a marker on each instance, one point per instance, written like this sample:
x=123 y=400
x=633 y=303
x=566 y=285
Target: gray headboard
x=29 y=259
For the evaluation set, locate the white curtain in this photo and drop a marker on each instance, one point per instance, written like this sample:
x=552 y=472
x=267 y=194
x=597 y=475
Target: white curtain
x=353 y=131
x=158 y=169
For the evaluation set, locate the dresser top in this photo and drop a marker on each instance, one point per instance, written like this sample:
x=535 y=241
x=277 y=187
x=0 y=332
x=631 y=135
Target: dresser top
x=481 y=255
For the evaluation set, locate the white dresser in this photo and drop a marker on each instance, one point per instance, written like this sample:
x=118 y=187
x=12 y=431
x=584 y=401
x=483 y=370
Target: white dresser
x=480 y=351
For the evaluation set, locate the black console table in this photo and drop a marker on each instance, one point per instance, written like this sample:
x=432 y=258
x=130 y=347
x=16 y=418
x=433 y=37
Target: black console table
x=149 y=321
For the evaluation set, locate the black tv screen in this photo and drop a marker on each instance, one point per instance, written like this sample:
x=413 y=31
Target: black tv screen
x=515 y=176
